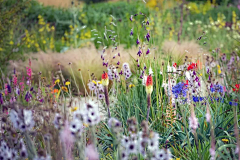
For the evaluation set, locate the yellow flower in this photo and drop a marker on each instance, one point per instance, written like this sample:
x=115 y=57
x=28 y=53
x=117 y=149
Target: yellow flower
x=219 y=71
x=1 y=49
x=44 y=42
x=74 y=109
x=131 y=85
x=85 y=125
x=177 y=158
x=52 y=28
x=218 y=66
x=200 y=74
x=225 y=140
x=57 y=81
x=67 y=83
x=11 y=42
x=41 y=29
x=64 y=89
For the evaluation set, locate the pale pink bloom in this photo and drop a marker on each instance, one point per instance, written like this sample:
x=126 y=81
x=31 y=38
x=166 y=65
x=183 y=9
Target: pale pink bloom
x=193 y=122
x=212 y=153
x=91 y=152
x=68 y=141
x=208 y=117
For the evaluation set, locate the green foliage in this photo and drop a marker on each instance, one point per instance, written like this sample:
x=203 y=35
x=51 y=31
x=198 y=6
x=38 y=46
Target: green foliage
x=11 y=13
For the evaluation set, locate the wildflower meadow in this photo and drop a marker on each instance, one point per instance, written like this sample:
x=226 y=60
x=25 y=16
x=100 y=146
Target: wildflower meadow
x=120 y=80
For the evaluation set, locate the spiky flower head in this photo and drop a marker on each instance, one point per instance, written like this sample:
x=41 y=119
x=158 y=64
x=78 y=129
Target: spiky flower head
x=149 y=84
x=105 y=80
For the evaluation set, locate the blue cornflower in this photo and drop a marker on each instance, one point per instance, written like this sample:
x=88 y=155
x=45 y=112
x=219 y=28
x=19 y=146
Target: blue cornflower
x=179 y=89
x=216 y=88
x=233 y=103
x=198 y=99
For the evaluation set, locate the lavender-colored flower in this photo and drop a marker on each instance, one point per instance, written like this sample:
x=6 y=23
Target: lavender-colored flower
x=119 y=54
x=121 y=72
x=118 y=63
x=224 y=58
x=148 y=51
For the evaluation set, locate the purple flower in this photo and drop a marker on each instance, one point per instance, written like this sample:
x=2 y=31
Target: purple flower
x=118 y=63
x=135 y=14
x=139 y=53
x=131 y=33
x=28 y=96
x=138 y=42
x=147 y=23
x=9 y=88
x=148 y=36
x=148 y=51
x=1 y=99
x=119 y=54
x=121 y=72
x=138 y=65
x=224 y=57
x=131 y=18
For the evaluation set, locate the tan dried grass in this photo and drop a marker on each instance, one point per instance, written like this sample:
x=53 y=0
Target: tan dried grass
x=187 y=48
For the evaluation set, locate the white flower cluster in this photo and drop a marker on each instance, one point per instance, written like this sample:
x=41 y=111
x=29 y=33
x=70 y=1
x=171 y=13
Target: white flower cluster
x=89 y=114
x=97 y=88
x=137 y=143
x=22 y=120
x=126 y=70
x=7 y=153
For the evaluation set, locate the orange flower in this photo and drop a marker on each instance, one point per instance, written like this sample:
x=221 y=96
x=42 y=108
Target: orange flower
x=149 y=84
x=55 y=91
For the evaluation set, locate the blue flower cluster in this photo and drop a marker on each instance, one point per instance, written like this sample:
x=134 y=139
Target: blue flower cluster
x=179 y=89
x=197 y=99
x=216 y=88
x=233 y=103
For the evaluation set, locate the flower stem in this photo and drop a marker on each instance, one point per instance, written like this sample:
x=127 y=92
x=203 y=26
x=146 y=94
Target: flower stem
x=149 y=105
x=107 y=100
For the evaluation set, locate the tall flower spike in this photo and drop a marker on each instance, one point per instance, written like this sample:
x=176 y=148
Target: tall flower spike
x=149 y=89
x=105 y=82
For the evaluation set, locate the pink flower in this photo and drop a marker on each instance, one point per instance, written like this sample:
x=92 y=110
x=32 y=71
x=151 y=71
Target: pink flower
x=15 y=80
x=68 y=141
x=29 y=72
x=91 y=152
x=22 y=86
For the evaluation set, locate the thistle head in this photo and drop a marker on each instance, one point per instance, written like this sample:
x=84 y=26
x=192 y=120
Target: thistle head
x=105 y=80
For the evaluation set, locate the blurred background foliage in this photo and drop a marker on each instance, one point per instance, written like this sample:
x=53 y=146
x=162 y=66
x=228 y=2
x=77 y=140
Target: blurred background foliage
x=30 y=26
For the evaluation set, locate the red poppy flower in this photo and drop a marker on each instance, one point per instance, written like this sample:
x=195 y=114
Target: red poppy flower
x=192 y=66
x=175 y=65
x=237 y=88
